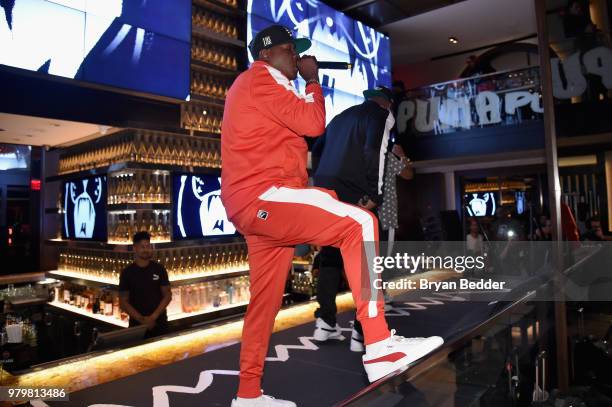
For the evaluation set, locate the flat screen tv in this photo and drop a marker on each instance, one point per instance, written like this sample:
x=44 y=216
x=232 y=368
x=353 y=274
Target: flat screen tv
x=335 y=37
x=481 y=203
x=197 y=211
x=84 y=208
x=139 y=45
x=14 y=156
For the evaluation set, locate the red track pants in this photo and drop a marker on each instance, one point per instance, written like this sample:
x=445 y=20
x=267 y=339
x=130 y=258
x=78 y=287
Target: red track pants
x=273 y=224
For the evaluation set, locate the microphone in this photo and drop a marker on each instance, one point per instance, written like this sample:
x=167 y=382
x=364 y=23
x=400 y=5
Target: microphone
x=334 y=65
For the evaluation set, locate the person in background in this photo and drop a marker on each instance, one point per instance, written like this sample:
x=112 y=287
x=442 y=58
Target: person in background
x=577 y=23
x=397 y=164
x=594 y=230
x=474 y=240
x=544 y=230
x=352 y=163
x=144 y=289
x=474 y=66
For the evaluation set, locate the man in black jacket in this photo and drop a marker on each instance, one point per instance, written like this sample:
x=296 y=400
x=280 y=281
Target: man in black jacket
x=352 y=162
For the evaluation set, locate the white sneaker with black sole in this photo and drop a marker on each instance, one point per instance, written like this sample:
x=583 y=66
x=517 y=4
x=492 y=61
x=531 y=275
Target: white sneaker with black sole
x=357 y=342
x=324 y=331
x=395 y=352
x=262 y=401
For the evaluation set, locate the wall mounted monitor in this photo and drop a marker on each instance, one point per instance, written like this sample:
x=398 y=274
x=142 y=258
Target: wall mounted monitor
x=197 y=210
x=84 y=208
x=481 y=203
x=138 y=45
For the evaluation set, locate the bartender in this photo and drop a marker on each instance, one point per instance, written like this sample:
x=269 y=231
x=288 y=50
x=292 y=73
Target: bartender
x=144 y=289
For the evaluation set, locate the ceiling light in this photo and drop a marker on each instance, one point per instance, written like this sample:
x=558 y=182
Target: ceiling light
x=453 y=40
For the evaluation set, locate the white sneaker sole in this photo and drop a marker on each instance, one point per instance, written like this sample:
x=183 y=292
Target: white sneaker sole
x=357 y=346
x=379 y=370
x=322 y=336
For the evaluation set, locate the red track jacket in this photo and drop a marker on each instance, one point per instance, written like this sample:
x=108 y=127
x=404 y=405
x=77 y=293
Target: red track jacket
x=262 y=142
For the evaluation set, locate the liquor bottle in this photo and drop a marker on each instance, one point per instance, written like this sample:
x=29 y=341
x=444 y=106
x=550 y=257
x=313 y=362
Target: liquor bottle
x=102 y=303
x=116 y=308
x=96 y=304
x=108 y=305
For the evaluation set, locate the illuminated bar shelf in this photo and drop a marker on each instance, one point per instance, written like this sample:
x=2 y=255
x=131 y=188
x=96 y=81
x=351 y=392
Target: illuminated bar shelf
x=80 y=311
x=145 y=206
x=84 y=279
x=174 y=317
x=222 y=39
x=122 y=246
x=220 y=7
x=133 y=165
x=125 y=324
x=196 y=97
x=213 y=69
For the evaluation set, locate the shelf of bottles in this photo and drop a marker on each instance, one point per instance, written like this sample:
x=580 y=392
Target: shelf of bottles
x=201 y=298
x=139 y=186
x=99 y=303
x=208 y=85
x=213 y=57
x=304 y=283
x=187 y=301
x=122 y=225
x=202 y=117
x=150 y=147
x=182 y=264
x=204 y=18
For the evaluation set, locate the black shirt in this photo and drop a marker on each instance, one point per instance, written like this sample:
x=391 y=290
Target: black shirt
x=144 y=285
x=350 y=152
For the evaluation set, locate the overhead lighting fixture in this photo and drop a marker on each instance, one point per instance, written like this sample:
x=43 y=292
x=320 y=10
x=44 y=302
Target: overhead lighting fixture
x=453 y=40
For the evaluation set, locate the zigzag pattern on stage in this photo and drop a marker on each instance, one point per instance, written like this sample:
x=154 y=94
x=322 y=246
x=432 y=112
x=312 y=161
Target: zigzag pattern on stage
x=206 y=377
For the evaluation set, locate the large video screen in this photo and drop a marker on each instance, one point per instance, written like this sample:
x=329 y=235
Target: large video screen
x=481 y=203
x=335 y=37
x=84 y=209
x=197 y=210
x=14 y=156
x=140 y=45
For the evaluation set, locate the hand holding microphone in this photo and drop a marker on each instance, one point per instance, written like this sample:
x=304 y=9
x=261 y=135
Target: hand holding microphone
x=308 y=68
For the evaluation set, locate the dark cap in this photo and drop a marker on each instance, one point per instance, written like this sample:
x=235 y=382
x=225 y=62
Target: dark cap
x=379 y=91
x=276 y=35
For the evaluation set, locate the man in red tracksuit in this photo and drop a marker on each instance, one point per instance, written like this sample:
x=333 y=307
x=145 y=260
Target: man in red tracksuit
x=264 y=190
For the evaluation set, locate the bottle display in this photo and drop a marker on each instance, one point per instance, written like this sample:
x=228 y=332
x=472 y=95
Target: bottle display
x=214 y=22
x=153 y=147
x=136 y=186
x=202 y=118
x=219 y=56
x=209 y=85
x=208 y=296
x=180 y=263
x=124 y=224
x=90 y=299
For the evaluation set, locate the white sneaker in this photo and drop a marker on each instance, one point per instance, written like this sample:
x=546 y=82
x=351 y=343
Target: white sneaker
x=262 y=401
x=386 y=356
x=324 y=331
x=357 y=342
